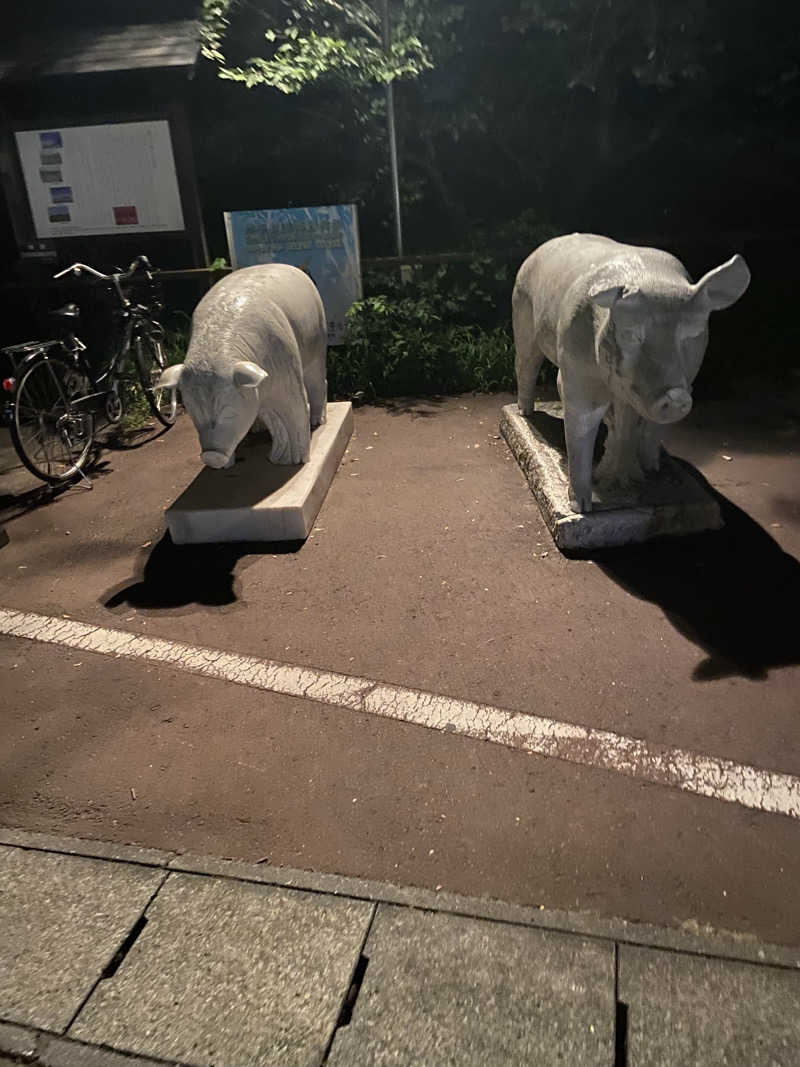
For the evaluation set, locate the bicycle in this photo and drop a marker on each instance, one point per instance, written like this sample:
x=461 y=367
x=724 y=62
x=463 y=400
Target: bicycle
x=54 y=392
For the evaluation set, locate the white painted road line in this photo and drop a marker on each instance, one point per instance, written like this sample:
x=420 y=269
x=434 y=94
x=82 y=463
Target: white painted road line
x=691 y=772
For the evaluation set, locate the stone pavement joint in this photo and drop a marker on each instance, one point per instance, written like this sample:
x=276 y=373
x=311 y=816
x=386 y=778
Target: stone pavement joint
x=238 y=964
x=21 y=1045
x=688 y=937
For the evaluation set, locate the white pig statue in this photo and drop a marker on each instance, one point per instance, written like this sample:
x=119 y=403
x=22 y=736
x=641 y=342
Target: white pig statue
x=627 y=330
x=257 y=352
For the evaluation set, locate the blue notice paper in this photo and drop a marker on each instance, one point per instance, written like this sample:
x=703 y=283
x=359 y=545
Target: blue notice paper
x=322 y=241
x=50 y=139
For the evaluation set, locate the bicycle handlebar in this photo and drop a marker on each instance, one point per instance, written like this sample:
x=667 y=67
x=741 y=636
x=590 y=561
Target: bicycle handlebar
x=116 y=279
x=76 y=269
x=119 y=276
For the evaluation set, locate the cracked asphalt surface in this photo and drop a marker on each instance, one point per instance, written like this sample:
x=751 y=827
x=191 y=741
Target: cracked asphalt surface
x=430 y=568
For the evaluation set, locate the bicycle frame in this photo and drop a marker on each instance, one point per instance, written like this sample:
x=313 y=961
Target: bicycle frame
x=36 y=352
x=83 y=388
x=72 y=349
x=102 y=382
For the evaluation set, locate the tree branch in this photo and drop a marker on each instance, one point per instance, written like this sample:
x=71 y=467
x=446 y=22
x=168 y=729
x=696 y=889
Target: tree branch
x=352 y=17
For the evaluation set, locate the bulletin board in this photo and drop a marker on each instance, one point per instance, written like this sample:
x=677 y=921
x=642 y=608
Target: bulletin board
x=105 y=179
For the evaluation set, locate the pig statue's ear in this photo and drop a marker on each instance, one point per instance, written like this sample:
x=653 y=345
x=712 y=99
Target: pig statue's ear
x=247 y=375
x=607 y=298
x=724 y=285
x=171 y=377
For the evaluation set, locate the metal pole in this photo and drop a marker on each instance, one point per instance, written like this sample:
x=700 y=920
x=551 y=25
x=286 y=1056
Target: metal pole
x=390 y=125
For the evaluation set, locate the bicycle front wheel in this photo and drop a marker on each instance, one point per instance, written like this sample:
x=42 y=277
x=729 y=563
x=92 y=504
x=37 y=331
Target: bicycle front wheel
x=150 y=363
x=52 y=437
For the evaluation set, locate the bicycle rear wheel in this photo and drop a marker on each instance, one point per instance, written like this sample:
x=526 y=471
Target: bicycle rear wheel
x=150 y=363
x=52 y=438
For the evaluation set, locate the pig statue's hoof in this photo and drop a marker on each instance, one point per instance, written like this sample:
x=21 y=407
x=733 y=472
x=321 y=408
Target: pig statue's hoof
x=581 y=504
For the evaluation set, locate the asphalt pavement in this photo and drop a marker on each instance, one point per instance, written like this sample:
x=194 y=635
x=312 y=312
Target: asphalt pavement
x=429 y=570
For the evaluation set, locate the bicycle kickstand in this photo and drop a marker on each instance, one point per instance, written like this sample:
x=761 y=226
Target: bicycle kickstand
x=84 y=481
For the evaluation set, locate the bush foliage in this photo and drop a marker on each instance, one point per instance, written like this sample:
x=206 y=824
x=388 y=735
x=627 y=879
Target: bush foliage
x=445 y=331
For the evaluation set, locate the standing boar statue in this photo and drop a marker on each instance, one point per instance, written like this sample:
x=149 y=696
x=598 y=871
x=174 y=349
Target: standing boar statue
x=628 y=330
x=257 y=353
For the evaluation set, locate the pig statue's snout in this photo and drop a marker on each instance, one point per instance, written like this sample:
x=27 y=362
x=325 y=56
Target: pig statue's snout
x=217 y=460
x=673 y=405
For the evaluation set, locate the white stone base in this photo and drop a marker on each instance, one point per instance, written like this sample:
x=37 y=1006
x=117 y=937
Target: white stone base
x=261 y=501
x=670 y=502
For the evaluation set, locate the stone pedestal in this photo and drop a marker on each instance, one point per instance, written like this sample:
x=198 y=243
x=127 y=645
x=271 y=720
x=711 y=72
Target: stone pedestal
x=669 y=502
x=261 y=501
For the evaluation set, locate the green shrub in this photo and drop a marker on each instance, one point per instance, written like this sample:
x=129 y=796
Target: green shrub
x=176 y=339
x=403 y=348
x=444 y=330
x=137 y=413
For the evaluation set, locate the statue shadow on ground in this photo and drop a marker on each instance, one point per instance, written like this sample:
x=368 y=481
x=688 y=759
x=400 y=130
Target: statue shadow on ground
x=734 y=592
x=181 y=576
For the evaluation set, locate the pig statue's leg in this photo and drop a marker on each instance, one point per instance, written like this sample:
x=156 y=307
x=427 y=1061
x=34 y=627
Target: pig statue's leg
x=284 y=408
x=582 y=417
x=529 y=356
x=291 y=436
x=650 y=445
x=633 y=447
x=315 y=374
x=317 y=389
x=620 y=465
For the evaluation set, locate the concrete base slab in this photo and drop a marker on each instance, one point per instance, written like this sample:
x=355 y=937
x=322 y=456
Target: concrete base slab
x=443 y=989
x=707 y=1012
x=669 y=502
x=261 y=501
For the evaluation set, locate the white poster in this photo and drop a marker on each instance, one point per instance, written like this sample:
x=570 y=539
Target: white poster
x=85 y=180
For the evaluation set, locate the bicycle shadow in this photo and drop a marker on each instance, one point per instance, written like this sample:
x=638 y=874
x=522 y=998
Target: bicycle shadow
x=733 y=592
x=181 y=576
x=129 y=440
x=15 y=505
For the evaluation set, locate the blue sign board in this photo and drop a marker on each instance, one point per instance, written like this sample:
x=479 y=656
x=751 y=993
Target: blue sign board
x=322 y=241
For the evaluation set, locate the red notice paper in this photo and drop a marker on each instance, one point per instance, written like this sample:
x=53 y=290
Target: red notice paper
x=126 y=215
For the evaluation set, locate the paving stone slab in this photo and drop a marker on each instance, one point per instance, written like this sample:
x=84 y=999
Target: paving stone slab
x=700 y=1012
x=231 y=974
x=444 y=990
x=62 y=919
x=18 y=1042
x=689 y=937
x=669 y=502
x=58 y=1052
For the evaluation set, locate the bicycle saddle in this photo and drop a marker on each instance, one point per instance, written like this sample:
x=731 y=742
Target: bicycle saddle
x=68 y=313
